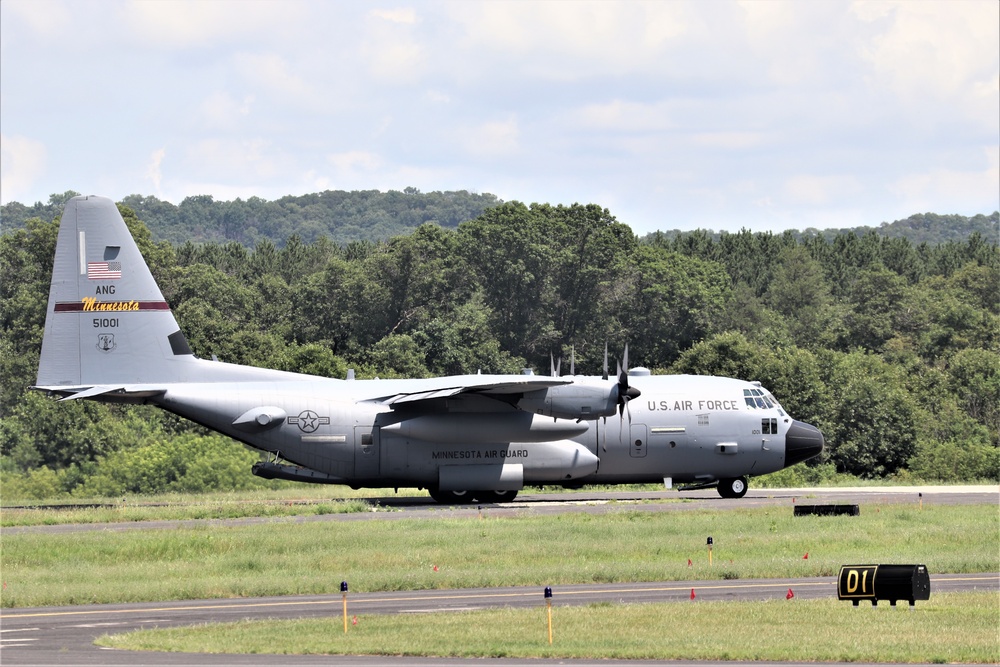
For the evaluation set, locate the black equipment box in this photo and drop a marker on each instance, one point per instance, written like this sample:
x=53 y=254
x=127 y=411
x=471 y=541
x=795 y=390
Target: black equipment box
x=827 y=510
x=884 y=582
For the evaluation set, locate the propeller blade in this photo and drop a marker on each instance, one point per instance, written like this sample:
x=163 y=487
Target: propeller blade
x=572 y=360
x=605 y=360
x=625 y=392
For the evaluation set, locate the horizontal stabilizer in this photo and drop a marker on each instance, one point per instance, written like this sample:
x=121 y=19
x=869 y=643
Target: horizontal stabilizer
x=124 y=393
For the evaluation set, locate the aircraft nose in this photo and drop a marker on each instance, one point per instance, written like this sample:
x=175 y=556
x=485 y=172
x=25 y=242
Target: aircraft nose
x=803 y=441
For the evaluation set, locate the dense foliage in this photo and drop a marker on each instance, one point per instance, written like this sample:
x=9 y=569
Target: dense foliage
x=891 y=348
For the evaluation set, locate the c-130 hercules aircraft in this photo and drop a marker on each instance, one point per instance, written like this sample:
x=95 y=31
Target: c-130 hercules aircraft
x=110 y=336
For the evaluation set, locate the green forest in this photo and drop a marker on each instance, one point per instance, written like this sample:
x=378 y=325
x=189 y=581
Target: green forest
x=891 y=346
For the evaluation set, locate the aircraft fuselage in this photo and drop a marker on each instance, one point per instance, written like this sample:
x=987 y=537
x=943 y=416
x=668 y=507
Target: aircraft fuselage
x=686 y=428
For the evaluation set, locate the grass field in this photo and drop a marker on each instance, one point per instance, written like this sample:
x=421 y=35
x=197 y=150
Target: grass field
x=208 y=508
x=285 y=557
x=949 y=628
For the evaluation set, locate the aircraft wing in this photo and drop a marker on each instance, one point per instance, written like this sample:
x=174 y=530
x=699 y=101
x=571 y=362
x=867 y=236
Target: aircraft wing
x=107 y=392
x=499 y=388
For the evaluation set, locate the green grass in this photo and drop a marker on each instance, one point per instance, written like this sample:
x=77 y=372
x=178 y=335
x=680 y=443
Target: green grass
x=505 y=548
x=209 y=508
x=303 y=499
x=946 y=629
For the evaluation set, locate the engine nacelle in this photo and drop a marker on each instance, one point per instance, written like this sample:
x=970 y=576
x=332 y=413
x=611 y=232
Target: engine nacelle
x=469 y=428
x=573 y=401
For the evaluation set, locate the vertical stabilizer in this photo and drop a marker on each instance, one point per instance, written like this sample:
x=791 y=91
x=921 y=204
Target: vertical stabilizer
x=107 y=321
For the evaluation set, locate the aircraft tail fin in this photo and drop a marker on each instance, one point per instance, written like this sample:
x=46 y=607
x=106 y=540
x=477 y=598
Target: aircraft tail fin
x=109 y=333
x=107 y=321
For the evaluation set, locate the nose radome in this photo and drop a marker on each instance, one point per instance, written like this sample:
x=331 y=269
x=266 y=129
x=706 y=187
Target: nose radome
x=803 y=441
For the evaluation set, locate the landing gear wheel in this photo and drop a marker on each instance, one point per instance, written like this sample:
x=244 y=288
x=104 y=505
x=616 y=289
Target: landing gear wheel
x=451 y=497
x=495 y=496
x=733 y=488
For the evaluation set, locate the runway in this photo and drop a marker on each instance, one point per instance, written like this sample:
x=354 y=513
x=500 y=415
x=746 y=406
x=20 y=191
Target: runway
x=64 y=635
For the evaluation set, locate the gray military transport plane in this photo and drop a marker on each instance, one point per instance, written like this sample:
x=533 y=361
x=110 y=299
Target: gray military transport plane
x=110 y=336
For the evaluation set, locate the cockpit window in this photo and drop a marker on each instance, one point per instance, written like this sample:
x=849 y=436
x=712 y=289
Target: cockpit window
x=759 y=400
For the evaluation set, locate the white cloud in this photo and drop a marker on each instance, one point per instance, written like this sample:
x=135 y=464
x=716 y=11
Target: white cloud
x=730 y=140
x=249 y=160
x=352 y=162
x=44 y=19
x=180 y=24
x=625 y=116
x=972 y=191
x=567 y=39
x=940 y=52
x=273 y=72
x=491 y=139
x=22 y=163
x=437 y=97
x=393 y=47
x=221 y=110
x=682 y=113
x=154 y=173
x=395 y=60
x=812 y=190
x=407 y=16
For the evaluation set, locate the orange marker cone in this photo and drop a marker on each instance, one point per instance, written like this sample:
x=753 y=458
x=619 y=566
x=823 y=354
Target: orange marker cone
x=435 y=568
x=354 y=621
x=789 y=595
x=692 y=594
x=689 y=562
x=806 y=557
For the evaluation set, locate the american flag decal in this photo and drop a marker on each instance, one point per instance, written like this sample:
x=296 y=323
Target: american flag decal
x=104 y=270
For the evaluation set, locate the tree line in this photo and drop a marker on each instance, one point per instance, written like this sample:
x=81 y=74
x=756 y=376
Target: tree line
x=372 y=215
x=891 y=348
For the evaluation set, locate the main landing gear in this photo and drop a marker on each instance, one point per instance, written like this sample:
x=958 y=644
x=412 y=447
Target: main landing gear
x=466 y=497
x=733 y=488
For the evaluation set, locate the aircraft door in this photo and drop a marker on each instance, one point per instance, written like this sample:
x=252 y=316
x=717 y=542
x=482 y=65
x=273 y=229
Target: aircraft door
x=366 y=452
x=637 y=442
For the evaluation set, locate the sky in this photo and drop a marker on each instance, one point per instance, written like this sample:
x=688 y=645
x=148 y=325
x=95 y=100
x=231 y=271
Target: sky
x=676 y=114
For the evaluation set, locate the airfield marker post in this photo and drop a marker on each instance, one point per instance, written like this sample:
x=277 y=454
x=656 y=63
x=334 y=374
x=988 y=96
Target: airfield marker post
x=710 y=551
x=343 y=592
x=548 y=604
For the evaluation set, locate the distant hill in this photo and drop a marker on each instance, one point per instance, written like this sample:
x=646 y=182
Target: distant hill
x=918 y=228
x=341 y=216
x=373 y=215
x=929 y=228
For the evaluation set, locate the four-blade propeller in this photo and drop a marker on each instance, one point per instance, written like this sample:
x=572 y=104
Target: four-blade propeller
x=623 y=392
